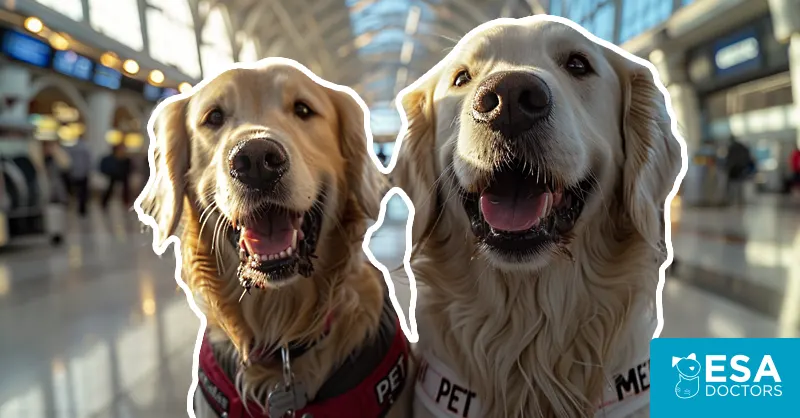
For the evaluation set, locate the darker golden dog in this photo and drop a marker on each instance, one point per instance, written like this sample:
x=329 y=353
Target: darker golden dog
x=264 y=174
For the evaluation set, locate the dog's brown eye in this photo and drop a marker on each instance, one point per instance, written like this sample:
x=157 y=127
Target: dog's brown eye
x=214 y=119
x=462 y=78
x=578 y=65
x=302 y=110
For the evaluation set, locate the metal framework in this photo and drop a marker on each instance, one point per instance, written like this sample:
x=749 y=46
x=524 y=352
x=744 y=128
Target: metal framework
x=320 y=34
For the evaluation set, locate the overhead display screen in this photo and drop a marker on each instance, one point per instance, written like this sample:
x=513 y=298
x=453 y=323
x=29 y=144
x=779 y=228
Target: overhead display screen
x=107 y=77
x=169 y=92
x=151 y=92
x=26 y=48
x=74 y=65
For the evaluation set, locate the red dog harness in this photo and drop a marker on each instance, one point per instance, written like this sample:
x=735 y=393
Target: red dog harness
x=352 y=391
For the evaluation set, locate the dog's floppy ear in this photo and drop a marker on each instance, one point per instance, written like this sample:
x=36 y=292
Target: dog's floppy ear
x=415 y=171
x=162 y=197
x=363 y=178
x=652 y=153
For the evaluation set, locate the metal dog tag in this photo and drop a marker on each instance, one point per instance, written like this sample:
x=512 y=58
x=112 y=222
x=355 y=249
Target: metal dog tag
x=284 y=401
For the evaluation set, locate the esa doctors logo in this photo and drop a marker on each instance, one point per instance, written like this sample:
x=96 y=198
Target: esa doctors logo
x=730 y=377
x=726 y=378
x=688 y=376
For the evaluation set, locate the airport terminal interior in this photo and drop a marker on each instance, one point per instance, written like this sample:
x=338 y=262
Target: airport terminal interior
x=93 y=323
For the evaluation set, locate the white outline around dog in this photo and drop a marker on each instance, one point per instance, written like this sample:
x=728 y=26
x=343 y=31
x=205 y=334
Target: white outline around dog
x=409 y=326
x=625 y=54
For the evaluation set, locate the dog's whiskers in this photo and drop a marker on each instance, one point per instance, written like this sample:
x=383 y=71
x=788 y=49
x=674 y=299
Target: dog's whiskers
x=448 y=173
x=215 y=246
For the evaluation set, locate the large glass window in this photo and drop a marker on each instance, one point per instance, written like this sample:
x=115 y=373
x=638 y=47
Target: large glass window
x=248 y=53
x=119 y=20
x=384 y=119
x=555 y=7
x=172 y=40
x=603 y=22
x=72 y=9
x=578 y=10
x=216 y=52
x=641 y=15
x=597 y=16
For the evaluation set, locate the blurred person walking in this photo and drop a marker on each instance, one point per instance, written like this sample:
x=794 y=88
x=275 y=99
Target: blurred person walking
x=381 y=155
x=80 y=168
x=57 y=164
x=740 y=165
x=794 y=166
x=117 y=167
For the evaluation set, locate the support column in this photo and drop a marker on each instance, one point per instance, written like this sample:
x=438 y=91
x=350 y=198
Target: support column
x=786 y=27
x=794 y=62
x=102 y=104
x=786 y=24
x=15 y=84
x=672 y=71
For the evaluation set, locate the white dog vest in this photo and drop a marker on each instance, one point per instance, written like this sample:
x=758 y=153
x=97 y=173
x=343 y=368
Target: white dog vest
x=446 y=395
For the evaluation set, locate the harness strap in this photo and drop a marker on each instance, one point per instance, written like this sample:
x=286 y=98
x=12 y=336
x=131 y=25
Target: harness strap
x=446 y=395
x=365 y=386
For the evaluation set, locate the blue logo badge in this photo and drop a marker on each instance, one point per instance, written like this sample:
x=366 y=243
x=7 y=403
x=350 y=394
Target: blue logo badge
x=703 y=377
x=688 y=376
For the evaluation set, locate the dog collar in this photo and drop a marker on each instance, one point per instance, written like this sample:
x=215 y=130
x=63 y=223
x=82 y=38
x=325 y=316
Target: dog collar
x=445 y=394
x=366 y=385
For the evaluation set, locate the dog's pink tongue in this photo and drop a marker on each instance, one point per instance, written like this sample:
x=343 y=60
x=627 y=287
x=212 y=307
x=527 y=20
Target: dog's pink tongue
x=512 y=207
x=270 y=235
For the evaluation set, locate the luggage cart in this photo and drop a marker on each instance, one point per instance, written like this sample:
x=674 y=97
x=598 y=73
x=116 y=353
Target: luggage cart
x=23 y=185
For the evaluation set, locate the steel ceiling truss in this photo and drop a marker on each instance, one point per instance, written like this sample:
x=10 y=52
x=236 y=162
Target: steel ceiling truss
x=319 y=34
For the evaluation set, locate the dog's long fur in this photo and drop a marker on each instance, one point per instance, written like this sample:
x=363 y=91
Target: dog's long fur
x=189 y=194
x=541 y=340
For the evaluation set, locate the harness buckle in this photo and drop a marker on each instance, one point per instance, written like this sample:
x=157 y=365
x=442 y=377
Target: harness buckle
x=287 y=398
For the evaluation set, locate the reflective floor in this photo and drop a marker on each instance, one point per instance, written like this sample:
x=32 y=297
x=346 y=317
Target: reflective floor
x=98 y=328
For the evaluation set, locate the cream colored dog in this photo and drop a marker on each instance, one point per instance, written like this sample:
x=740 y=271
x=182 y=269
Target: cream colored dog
x=539 y=162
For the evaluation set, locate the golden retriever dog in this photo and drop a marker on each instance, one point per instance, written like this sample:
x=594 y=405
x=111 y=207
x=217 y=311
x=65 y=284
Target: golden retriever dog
x=264 y=174
x=539 y=162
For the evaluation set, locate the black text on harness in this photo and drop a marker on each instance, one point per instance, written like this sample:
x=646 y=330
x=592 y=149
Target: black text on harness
x=458 y=398
x=634 y=382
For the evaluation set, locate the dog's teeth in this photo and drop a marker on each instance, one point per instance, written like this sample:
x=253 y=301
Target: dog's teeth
x=264 y=257
x=289 y=251
x=296 y=222
x=294 y=239
x=548 y=203
x=282 y=254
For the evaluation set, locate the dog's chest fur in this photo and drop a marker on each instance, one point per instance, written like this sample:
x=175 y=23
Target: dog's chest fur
x=537 y=346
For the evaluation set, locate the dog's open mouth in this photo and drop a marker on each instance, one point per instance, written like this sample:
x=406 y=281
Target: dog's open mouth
x=276 y=244
x=521 y=210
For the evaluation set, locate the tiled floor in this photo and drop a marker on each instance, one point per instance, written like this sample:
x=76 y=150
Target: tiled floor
x=98 y=328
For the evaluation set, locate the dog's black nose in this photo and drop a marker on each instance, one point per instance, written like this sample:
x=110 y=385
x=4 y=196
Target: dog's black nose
x=511 y=102
x=258 y=163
